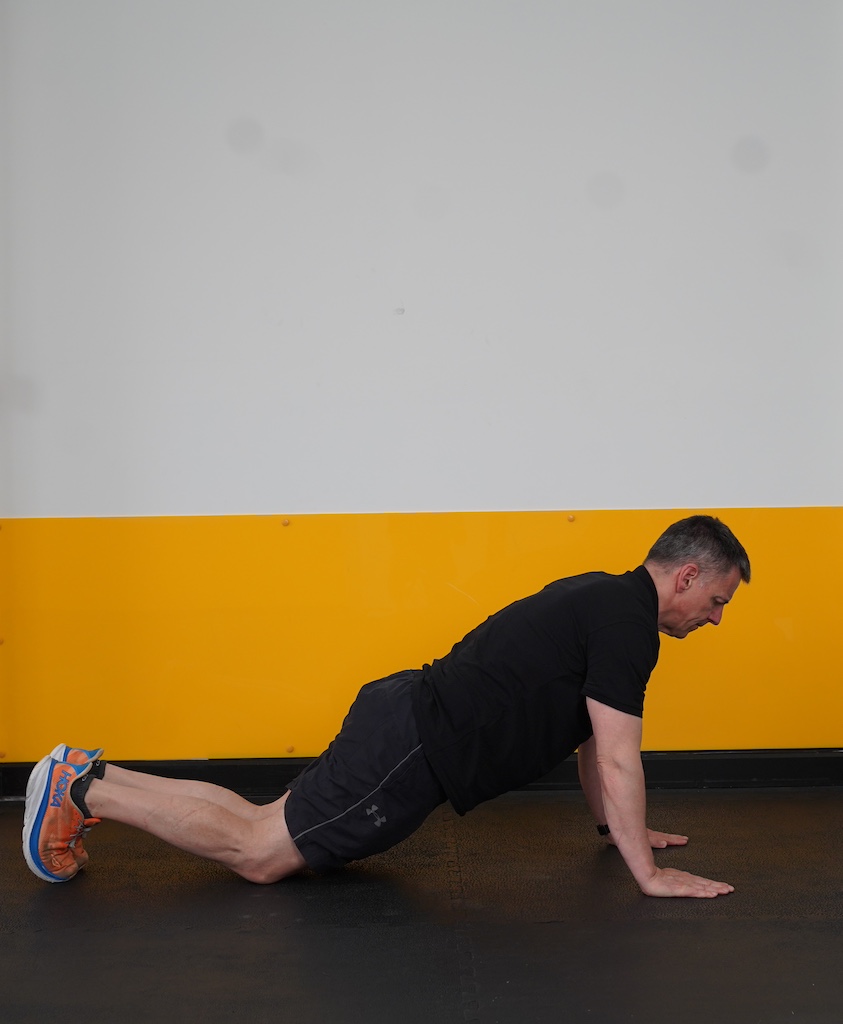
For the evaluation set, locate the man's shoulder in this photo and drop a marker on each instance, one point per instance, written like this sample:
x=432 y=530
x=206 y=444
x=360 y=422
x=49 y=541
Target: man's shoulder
x=606 y=597
x=634 y=584
x=587 y=600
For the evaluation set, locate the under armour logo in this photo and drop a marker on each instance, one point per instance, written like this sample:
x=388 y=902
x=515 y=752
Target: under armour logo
x=379 y=818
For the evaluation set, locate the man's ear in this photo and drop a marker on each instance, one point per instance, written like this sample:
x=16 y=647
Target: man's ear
x=686 y=576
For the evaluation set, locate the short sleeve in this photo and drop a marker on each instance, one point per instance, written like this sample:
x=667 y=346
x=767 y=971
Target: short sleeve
x=620 y=658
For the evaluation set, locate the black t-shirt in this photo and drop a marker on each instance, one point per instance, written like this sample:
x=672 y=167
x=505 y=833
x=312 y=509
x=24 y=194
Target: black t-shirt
x=507 y=704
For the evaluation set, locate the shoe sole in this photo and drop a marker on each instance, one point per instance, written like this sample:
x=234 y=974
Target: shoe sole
x=37 y=795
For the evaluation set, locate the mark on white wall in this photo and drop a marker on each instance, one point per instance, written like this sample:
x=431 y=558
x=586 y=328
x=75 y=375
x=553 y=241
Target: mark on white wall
x=606 y=190
x=245 y=135
x=750 y=154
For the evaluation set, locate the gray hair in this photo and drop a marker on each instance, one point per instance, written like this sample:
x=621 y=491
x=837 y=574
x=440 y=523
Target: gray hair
x=704 y=540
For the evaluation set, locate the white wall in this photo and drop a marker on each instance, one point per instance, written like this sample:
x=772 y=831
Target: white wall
x=310 y=256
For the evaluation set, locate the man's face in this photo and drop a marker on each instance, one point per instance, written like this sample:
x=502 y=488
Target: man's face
x=699 y=599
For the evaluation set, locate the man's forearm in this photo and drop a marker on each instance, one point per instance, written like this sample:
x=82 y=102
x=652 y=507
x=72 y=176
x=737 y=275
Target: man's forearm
x=590 y=779
x=625 y=801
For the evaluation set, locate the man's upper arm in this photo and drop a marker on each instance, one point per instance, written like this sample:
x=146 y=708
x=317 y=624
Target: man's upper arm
x=620 y=659
x=616 y=734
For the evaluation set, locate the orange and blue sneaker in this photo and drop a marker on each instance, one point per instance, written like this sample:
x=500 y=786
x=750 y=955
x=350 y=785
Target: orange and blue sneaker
x=55 y=820
x=77 y=755
x=73 y=755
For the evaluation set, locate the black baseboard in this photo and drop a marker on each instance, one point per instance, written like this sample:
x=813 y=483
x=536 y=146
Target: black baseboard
x=723 y=769
x=265 y=778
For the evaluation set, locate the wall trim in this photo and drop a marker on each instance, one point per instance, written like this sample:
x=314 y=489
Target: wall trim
x=265 y=778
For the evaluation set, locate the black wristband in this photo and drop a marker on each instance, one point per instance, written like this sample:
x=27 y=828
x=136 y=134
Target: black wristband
x=603 y=830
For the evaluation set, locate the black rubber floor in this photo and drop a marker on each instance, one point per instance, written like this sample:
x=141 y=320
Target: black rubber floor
x=515 y=913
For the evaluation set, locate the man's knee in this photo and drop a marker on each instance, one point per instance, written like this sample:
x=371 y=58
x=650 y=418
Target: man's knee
x=271 y=854
x=269 y=870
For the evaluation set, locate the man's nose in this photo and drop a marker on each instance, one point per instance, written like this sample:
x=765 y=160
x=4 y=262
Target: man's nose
x=716 y=616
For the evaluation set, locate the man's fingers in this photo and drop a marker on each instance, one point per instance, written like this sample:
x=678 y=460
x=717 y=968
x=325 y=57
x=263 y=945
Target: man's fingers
x=670 y=882
x=706 y=887
x=659 y=840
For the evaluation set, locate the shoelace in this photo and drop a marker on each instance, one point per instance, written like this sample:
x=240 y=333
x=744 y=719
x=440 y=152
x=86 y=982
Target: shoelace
x=81 y=829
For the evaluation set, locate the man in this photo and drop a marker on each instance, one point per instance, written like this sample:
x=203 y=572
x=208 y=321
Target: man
x=562 y=670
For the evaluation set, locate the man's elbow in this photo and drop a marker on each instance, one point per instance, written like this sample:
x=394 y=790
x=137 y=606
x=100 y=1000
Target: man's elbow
x=614 y=766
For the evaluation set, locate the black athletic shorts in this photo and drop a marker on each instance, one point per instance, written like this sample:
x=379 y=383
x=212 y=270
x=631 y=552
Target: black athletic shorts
x=371 y=788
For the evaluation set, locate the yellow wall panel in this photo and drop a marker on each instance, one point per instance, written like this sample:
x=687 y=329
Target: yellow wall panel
x=248 y=636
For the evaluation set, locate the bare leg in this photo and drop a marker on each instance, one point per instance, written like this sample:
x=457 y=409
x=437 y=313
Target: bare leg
x=259 y=849
x=188 y=787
